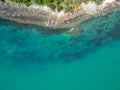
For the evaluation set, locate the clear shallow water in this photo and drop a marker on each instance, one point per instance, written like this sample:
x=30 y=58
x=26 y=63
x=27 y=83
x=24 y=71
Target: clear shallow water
x=33 y=58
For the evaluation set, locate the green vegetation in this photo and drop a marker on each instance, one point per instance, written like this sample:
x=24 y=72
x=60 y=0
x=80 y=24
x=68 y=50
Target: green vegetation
x=2 y=0
x=26 y=2
x=66 y=5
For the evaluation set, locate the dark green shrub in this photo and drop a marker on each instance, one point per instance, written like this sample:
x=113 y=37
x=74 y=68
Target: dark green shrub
x=59 y=8
x=67 y=8
x=52 y=6
x=40 y=2
x=2 y=0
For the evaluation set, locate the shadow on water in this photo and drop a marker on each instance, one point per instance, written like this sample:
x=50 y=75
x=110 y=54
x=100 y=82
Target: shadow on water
x=95 y=32
x=41 y=29
x=107 y=29
x=79 y=55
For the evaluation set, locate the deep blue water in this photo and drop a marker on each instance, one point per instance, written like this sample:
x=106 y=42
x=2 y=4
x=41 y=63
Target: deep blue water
x=36 y=58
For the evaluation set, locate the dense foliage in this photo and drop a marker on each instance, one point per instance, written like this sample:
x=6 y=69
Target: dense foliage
x=58 y=5
x=66 y=5
x=26 y=2
x=1 y=0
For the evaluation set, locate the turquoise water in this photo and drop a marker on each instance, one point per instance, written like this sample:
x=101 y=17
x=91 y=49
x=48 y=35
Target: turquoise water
x=35 y=58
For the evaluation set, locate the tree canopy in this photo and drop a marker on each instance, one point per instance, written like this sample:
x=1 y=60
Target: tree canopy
x=58 y=5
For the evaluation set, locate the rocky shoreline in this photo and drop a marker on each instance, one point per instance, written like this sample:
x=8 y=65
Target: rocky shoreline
x=22 y=14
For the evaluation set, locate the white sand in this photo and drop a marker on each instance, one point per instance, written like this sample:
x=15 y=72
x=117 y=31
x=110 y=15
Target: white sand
x=108 y=1
x=105 y=3
x=47 y=9
x=91 y=7
x=59 y=14
x=37 y=7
